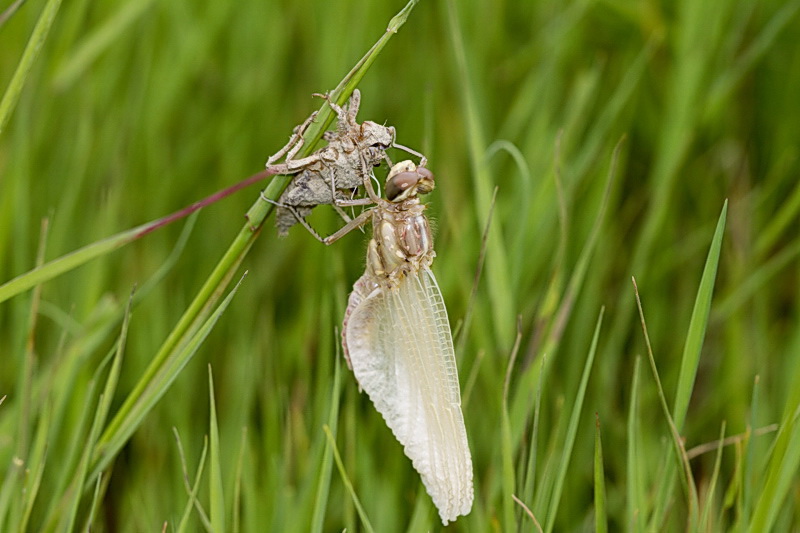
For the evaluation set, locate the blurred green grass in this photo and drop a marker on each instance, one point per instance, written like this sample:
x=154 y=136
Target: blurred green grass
x=134 y=109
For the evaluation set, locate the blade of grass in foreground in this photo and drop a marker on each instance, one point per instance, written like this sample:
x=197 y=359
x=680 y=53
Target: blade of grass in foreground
x=706 y=517
x=219 y=278
x=191 y=491
x=38 y=37
x=748 y=479
x=106 y=450
x=27 y=398
x=93 y=506
x=509 y=482
x=688 y=371
x=74 y=259
x=237 y=489
x=668 y=477
x=520 y=403
x=326 y=466
x=635 y=496
x=35 y=465
x=600 y=514
x=346 y=480
x=697 y=326
x=215 y=479
x=572 y=428
x=533 y=453
x=781 y=470
x=79 y=482
x=101 y=412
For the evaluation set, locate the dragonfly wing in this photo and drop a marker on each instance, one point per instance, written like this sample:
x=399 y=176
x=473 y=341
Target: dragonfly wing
x=400 y=348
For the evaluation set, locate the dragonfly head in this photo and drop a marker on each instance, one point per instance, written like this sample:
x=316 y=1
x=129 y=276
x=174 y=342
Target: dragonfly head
x=406 y=180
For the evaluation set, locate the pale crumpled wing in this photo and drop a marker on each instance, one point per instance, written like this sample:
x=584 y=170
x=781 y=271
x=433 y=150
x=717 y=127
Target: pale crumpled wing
x=401 y=351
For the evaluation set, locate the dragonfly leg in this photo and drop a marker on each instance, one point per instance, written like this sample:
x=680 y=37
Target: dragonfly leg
x=295 y=142
x=347 y=218
x=347 y=119
x=351 y=224
x=356 y=223
x=341 y=212
x=422 y=158
x=292 y=166
x=367 y=181
x=296 y=215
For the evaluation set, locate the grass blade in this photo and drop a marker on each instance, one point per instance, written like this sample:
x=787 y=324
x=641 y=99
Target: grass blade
x=77 y=487
x=35 y=465
x=530 y=474
x=81 y=256
x=706 y=522
x=749 y=460
x=667 y=479
x=781 y=471
x=697 y=325
x=346 y=480
x=116 y=435
x=192 y=490
x=509 y=482
x=237 y=495
x=38 y=37
x=688 y=371
x=600 y=513
x=572 y=428
x=635 y=486
x=215 y=479
x=326 y=466
x=574 y=285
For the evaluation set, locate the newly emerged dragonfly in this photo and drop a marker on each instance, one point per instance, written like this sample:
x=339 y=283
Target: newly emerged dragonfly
x=397 y=339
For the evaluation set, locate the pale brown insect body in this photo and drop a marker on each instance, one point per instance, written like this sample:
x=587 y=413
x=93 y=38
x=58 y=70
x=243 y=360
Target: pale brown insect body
x=397 y=341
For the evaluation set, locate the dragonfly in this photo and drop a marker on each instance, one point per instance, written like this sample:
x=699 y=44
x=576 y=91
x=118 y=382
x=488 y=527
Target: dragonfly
x=397 y=340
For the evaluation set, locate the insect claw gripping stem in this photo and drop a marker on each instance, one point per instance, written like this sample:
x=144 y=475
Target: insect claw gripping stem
x=347 y=119
x=295 y=142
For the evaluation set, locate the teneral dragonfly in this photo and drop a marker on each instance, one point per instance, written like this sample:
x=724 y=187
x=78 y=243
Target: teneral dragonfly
x=397 y=339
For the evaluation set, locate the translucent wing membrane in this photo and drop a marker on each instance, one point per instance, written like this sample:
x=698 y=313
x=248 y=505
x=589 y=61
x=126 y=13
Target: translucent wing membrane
x=400 y=348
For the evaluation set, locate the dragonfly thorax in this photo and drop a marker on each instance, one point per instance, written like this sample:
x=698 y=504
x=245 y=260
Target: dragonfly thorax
x=401 y=241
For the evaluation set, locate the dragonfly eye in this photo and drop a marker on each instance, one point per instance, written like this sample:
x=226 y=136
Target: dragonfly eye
x=401 y=186
x=406 y=180
x=426 y=183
